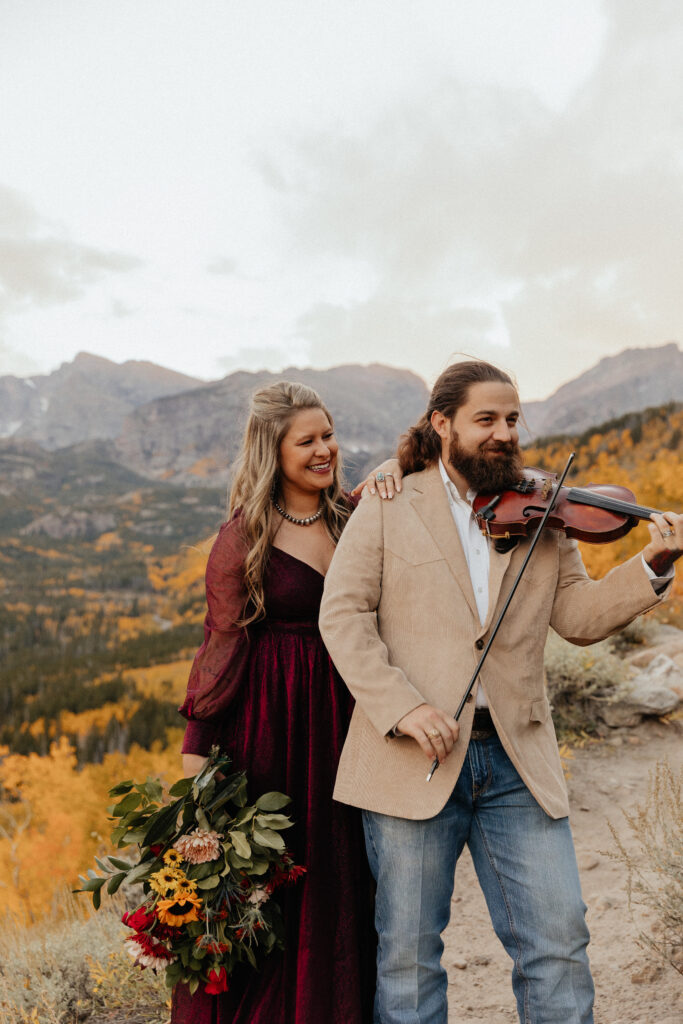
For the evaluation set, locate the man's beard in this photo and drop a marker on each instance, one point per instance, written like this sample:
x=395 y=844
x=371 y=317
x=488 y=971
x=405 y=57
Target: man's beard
x=495 y=467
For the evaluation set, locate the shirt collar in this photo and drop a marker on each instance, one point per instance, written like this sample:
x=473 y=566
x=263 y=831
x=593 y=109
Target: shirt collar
x=453 y=491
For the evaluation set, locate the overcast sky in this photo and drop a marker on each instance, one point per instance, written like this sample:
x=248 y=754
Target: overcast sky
x=237 y=184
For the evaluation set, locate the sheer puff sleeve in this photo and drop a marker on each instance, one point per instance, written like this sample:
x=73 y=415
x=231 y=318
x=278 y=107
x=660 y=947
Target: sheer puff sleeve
x=219 y=664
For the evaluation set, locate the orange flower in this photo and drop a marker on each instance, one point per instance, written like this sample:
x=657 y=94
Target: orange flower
x=179 y=909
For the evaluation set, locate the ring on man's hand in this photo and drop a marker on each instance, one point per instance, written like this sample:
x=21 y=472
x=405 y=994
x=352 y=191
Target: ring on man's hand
x=379 y=477
x=433 y=732
x=667 y=533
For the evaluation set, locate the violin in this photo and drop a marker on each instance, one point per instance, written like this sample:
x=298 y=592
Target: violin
x=598 y=513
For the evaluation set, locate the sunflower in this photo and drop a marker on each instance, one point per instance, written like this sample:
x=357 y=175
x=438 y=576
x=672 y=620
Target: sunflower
x=179 y=909
x=167 y=880
x=172 y=858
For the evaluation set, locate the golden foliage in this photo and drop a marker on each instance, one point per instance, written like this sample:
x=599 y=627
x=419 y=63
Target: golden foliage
x=52 y=818
x=163 y=681
x=648 y=459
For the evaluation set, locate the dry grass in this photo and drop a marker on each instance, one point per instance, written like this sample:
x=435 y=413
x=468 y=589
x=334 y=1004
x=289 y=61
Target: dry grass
x=73 y=967
x=652 y=853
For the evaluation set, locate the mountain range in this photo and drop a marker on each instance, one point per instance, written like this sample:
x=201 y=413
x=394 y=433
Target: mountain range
x=166 y=426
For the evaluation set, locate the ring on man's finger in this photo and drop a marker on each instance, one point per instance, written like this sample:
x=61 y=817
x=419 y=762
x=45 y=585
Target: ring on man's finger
x=667 y=533
x=434 y=732
x=379 y=477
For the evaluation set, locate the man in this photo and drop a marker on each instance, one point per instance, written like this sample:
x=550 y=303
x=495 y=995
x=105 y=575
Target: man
x=410 y=597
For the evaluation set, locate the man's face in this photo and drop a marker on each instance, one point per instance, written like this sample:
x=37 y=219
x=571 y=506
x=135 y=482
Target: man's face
x=483 y=438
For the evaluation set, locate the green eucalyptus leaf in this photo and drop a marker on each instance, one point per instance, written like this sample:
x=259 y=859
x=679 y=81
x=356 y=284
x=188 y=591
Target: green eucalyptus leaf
x=272 y=801
x=268 y=838
x=115 y=882
x=122 y=787
x=135 y=835
x=240 y=797
x=92 y=884
x=198 y=871
x=225 y=790
x=162 y=823
x=122 y=865
x=181 y=788
x=208 y=883
x=127 y=804
x=202 y=820
x=246 y=814
x=276 y=821
x=238 y=862
x=139 y=872
x=259 y=867
x=97 y=898
x=240 y=843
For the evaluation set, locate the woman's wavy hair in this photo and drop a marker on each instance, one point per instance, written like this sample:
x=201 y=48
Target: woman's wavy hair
x=255 y=481
x=421 y=445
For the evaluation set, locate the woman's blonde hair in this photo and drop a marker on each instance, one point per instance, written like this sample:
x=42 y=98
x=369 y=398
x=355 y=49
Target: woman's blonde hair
x=255 y=480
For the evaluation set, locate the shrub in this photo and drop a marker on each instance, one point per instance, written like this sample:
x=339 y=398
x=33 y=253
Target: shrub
x=66 y=971
x=578 y=678
x=639 y=633
x=655 y=868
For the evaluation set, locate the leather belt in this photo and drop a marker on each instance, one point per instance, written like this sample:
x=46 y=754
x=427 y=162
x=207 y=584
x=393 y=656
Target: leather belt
x=482 y=726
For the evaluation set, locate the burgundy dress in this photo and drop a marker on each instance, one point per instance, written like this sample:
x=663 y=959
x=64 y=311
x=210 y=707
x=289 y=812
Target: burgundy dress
x=285 y=724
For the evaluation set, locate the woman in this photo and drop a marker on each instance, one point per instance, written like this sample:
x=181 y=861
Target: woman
x=264 y=688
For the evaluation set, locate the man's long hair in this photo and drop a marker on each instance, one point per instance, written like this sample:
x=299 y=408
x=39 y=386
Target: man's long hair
x=256 y=480
x=421 y=445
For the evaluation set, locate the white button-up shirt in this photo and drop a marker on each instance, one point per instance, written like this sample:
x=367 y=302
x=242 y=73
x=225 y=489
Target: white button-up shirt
x=476 y=548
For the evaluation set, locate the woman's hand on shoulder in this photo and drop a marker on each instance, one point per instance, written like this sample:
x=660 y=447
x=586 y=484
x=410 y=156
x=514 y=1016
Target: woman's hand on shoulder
x=384 y=480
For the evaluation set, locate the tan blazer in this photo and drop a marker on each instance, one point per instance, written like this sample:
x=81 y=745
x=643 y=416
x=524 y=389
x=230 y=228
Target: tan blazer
x=400 y=621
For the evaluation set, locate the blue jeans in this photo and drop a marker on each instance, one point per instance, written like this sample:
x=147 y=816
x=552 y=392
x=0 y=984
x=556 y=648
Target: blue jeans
x=526 y=867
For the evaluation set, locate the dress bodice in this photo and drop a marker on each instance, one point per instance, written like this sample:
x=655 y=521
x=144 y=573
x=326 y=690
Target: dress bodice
x=292 y=590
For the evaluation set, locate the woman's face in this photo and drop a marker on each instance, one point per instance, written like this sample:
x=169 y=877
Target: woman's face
x=308 y=452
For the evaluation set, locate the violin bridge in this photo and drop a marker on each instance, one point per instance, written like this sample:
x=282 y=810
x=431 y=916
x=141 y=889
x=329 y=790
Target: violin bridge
x=546 y=489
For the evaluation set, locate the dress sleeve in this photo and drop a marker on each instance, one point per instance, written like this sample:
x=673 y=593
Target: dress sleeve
x=219 y=665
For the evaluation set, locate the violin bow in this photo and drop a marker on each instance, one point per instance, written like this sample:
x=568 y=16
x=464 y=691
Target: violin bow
x=508 y=599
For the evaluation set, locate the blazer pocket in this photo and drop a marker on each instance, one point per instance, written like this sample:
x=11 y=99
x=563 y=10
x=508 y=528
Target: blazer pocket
x=540 y=710
x=419 y=554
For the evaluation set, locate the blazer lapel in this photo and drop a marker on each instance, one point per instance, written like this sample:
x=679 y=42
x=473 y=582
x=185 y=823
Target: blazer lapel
x=430 y=501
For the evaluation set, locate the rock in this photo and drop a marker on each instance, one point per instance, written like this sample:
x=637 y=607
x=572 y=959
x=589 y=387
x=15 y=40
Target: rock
x=588 y=861
x=646 y=975
x=673 y=647
x=459 y=963
x=603 y=903
x=651 y=692
x=481 y=961
x=71 y=524
x=618 y=714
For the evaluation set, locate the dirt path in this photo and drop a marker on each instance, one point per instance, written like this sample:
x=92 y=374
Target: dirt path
x=604 y=778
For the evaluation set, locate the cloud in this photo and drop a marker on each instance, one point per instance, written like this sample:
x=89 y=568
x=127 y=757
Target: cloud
x=222 y=266
x=16 y=364
x=39 y=265
x=561 y=229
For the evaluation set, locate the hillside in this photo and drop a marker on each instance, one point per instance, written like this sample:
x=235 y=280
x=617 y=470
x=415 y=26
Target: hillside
x=636 y=379
x=196 y=435
x=87 y=398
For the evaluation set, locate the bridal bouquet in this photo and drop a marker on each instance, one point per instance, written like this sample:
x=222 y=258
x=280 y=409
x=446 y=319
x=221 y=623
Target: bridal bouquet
x=208 y=864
